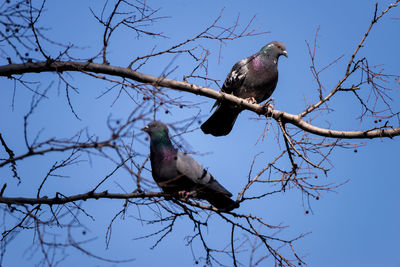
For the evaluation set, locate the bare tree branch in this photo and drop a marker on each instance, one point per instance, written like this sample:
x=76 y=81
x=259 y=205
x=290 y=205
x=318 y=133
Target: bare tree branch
x=296 y=120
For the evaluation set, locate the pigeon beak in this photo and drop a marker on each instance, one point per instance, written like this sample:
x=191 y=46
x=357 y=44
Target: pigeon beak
x=145 y=129
x=285 y=54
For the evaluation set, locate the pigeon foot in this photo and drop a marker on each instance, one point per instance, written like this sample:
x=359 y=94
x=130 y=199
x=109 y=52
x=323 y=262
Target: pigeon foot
x=185 y=194
x=268 y=107
x=252 y=100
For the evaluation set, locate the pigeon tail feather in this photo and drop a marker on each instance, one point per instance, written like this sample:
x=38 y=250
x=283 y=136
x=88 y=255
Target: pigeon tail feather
x=221 y=122
x=222 y=202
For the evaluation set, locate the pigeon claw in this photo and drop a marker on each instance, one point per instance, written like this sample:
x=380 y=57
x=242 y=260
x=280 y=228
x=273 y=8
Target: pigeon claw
x=268 y=107
x=185 y=194
x=252 y=100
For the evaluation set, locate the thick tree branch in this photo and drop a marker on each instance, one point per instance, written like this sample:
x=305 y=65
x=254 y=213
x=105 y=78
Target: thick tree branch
x=60 y=199
x=60 y=66
x=57 y=200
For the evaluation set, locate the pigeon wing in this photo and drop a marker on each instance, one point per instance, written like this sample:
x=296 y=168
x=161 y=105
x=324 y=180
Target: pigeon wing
x=237 y=76
x=190 y=168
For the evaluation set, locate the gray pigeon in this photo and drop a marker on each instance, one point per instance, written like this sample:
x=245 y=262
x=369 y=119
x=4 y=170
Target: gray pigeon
x=177 y=172
x=253 y=78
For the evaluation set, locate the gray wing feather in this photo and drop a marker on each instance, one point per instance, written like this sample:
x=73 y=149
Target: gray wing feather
x=186 y=165
x=237 y=75
x=189 y=167
x=206 y=186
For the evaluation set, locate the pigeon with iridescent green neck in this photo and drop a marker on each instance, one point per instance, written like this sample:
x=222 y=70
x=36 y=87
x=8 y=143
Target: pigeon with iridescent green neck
x=253 y=78
x=178 y=173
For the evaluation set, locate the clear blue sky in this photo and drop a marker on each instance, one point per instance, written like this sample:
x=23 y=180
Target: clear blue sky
x=358 y=225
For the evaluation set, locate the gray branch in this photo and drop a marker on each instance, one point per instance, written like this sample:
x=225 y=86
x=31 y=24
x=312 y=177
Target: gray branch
x=60 y=66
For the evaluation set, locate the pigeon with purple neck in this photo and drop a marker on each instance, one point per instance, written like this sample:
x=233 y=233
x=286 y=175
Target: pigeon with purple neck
x=253 y=78
x=178 y=173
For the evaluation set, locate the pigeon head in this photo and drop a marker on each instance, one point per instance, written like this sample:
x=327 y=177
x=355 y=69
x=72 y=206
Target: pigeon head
x=159 y=138
x=156 y=129
x=274 y=48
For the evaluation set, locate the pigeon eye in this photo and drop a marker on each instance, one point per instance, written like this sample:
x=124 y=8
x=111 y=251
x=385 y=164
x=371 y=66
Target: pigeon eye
x=279 y=46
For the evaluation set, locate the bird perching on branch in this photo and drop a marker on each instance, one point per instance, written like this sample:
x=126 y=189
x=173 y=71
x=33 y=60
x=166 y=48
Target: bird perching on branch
x=253 y=78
